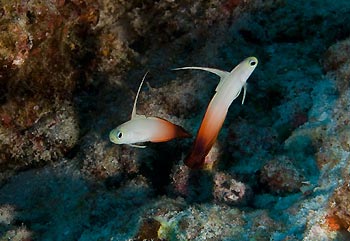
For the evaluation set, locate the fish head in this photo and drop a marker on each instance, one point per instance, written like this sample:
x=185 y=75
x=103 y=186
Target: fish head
x=128 y=133
x=245 y=68
x=252 y=62
x=121 y=135
x=117 y=136
x=248 y=65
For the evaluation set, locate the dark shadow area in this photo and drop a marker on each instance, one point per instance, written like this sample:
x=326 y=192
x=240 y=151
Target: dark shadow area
x=38 y=202
x=200 y=187
x=157 y=163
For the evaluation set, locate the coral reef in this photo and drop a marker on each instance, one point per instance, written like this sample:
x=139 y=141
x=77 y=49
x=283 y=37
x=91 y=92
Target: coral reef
x=39 y=41
x=69 y=72
x=47 y=136
x=41 y=55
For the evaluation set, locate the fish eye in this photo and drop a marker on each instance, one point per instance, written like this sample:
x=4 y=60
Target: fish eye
x=252 y=62
x=120 y=135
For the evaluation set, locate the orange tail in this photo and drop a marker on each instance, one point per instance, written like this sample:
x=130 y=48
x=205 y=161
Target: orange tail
x=207 y=134
x=179 y=132
x=182 y=133
x=167 y=131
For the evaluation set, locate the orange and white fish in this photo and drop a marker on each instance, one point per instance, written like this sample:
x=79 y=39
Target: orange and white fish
x=228 y=89
x=141 y=128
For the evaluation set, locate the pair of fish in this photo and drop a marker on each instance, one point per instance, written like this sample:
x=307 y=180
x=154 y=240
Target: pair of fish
x=141 y=128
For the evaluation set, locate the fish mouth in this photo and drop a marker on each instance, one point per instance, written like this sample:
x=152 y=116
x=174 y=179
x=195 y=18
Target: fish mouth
x=112 y=137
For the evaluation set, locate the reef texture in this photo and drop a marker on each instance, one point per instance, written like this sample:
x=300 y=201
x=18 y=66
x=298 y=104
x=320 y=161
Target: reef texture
x=41 y=55
x=281 y=176
x=69 y=71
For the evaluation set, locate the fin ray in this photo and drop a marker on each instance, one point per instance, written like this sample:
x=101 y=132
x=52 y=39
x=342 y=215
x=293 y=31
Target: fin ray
x=221 y=73
x=133 y=113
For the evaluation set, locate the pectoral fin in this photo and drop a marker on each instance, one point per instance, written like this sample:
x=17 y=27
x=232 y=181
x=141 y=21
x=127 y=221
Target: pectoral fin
x=244 y=92
x=137 y=146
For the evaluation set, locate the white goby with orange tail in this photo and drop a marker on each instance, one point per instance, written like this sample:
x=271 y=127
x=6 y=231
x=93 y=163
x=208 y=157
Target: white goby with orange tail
x=142 y=129
x=228 y=89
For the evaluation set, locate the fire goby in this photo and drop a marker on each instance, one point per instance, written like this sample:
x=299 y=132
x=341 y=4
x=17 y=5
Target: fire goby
x=228 y=89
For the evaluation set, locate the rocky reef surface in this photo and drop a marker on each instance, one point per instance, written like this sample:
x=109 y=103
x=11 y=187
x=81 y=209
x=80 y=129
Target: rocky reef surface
x=69 y=71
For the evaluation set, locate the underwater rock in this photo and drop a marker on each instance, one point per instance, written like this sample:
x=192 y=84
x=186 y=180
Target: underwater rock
x=174 y=101
x=48 y=135
x=281 y=176
x=229 y=191
x=41 y=46
x=43 y=49
x=103 y=161
x=128 y=30
x=7 y=214
x=339 y=208
x=344 y=138
x=198 y=186
x=180 y=180
x=337 y=55
x=11 y=232
x=62 y=196
x=342 y=118
x=262 y=225
x=174 y=220
x=209 y=222
x=194 y=186
x=337 y=63
x=17 y=234
x=328 y=156
x=148 y=230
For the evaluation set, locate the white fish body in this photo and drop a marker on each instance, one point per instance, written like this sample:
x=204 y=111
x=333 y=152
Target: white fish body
x=142 y=129
x=228 y=89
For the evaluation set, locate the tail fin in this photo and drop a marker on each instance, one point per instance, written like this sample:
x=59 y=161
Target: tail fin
x=195 y=160
x=181 y=132
x=167 y=131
